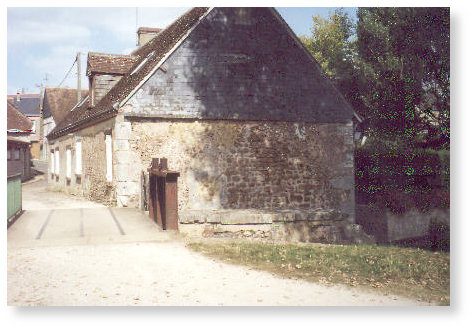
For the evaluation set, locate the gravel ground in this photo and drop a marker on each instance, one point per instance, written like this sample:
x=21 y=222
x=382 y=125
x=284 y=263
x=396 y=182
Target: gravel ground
x=37 y=196
x=159 y=273
x=67 y=251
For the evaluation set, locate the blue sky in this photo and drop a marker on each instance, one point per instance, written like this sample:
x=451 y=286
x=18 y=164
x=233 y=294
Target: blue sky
x=44 y=41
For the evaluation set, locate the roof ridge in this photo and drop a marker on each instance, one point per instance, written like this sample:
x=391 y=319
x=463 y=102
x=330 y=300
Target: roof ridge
x=150 y=29
x=95 y=53
x=162 y=43
x=24 y=95
x=63 y=88
x=18 y=113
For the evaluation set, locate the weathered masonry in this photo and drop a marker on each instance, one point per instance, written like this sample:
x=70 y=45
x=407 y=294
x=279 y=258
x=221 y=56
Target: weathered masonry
x=262 y=141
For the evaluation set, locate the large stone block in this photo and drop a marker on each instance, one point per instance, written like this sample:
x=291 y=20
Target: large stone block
x=122 y=130
x=121 y=145
x=285 y=216
x=122 y=200
x=127 y=188
x=123 y=157
x=122 y=172
x=240 y=217
x=192 y=216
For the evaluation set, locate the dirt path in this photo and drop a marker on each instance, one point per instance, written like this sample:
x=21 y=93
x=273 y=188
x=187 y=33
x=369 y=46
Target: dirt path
x=89 y=256
x=37 y=196
x=158 y=273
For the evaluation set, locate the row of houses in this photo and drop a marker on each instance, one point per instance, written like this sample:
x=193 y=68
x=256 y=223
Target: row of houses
x=19 y=128
x=30 y=118
x=234 y=107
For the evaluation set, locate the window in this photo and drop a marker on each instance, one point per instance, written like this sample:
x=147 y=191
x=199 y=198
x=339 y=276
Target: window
x=52 y=162
x=56 y=162
x=78 y=158
x=16 y=154
x=68 y=163
x=8 y=154
x=108 y=155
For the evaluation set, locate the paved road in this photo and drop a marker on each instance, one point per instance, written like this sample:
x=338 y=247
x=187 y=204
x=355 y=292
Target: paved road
x=67 y=251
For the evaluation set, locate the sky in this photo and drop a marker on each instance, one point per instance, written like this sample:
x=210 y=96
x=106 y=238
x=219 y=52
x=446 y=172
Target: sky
x=42 y=42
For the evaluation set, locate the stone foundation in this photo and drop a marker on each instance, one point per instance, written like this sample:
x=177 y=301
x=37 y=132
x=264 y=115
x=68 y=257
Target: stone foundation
x=387 y=227
x=323 y=226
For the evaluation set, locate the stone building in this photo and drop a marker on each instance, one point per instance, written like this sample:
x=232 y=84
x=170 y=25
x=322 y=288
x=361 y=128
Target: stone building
x=18 y=143
x=262 y=140
x=29 y=105
x=56 y=104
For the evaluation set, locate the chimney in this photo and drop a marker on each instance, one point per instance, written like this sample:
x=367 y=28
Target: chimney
x=18 y=96
x=145 y=34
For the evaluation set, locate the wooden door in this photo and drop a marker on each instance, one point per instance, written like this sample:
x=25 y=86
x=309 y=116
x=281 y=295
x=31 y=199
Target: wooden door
x=171 y=204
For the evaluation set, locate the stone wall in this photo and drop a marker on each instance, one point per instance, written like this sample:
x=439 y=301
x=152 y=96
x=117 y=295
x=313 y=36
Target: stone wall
x=127 y=166
x=287 y=225
x=388 y=227
x=241 y=165
x=35 y=150
x=92 y=183
x=102 y=83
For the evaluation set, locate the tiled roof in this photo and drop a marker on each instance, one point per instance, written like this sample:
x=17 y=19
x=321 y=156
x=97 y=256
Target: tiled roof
x=109 y=63
x=28 y=104
x=16 y=119
x=148 y=56
x=58 y=102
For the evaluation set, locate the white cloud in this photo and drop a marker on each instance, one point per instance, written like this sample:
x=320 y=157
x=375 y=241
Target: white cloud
x=45 y=40
x=31 y=32
x=57 y=63
x=54 y=25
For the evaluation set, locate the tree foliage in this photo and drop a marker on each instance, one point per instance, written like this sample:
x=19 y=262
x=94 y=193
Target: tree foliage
x=333 y=45
x=393 y=68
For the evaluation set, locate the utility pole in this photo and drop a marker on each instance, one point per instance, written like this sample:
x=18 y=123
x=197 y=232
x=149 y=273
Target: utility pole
x=41 y=121
x=79 y=96
x=45 y=79
x=136 y=26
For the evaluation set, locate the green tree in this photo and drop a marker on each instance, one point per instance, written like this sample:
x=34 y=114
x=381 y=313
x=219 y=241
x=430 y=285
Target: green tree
x=333 y=45
x=404 y=59
x=393 y=68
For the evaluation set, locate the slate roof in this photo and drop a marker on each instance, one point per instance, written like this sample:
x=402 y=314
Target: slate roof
x=150 y=54
x=147 y=57
x=109 y=63
x=28 y=103
x=58 y=102
x=16 y=119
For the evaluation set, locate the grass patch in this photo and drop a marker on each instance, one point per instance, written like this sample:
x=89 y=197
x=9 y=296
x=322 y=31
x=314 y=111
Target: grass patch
x=413 y=273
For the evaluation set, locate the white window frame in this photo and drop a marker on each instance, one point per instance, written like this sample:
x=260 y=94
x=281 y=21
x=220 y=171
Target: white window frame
x=53 y=160
x=57 y=164
x=68 y=163
x=78 y=168
x=108 y=157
